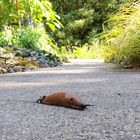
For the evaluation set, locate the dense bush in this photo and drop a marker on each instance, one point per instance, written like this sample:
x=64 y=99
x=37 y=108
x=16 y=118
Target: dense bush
x=121 y=38
x=33 y=38
x=85 y=51
x=25 y=13
x=27 y=24
x=29 y=38
x=6 y=38
x=77 y=25
x=25 y=40
x=82 y=21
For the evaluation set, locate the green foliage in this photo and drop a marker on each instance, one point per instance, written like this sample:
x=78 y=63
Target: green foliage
x=25 y=40
x=86 y=51
x=122 y=35
x=82 y=21
x=6 y=38
x=27 y=24
x=83 y=24
x=19 y=13
x=28 y=38
x=33 y=38
x=77 y=25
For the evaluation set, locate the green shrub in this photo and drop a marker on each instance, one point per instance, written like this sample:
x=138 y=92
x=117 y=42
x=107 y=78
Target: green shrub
x=86 y=51
x=77 y=24
x=6 y=38
x=28 y=38
x=33 y=38
x=122 y=35
x=82 y=20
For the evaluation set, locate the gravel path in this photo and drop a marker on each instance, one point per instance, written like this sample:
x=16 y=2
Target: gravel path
x=114 y=94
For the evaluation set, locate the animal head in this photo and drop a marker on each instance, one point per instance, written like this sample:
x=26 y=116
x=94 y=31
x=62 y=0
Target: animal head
x=41 y=100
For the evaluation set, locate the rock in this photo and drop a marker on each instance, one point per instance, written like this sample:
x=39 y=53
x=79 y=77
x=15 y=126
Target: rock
x=3 y=70
x=10 y=70
x=27 y=58
x=23 y=63
x=128 y=66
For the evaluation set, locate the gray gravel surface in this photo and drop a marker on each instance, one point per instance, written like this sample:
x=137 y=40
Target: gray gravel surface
x=115 y=95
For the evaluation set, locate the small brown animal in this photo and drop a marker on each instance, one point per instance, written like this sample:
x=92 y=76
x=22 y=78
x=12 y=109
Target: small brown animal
x=63 y=99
